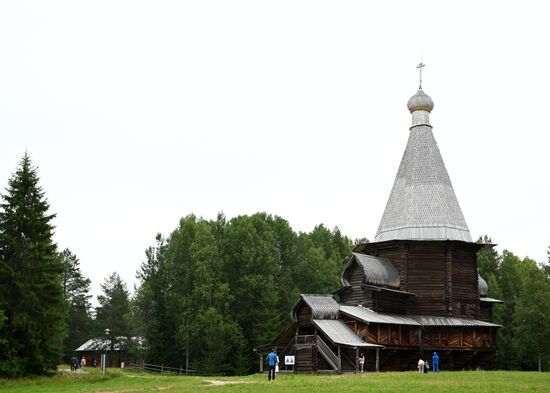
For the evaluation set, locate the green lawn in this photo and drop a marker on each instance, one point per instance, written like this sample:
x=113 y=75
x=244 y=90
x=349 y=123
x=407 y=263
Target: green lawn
x=131 y=381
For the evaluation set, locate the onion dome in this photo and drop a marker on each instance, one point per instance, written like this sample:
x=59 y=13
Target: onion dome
x=483 y=287
x=420 y=101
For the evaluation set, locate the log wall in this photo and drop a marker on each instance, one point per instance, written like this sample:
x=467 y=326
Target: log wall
x=304 y=314
x=442 y=274
x=465 y=287
x=486 y=311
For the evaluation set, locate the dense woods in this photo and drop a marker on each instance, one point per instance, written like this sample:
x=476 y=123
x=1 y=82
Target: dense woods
x=524 y=287
x=213 y=290
x=209 y=292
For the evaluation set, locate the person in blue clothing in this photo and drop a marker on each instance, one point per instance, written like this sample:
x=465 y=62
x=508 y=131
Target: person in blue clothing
x=435 y=362
x=272 y=362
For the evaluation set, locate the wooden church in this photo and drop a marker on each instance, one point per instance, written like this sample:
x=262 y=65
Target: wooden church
x=415 y=290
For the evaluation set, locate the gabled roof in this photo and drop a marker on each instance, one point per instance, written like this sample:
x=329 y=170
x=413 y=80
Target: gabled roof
x=322 y=307
x=377 y=270
x=104 y=343
x=422 y=203
x=341 y=334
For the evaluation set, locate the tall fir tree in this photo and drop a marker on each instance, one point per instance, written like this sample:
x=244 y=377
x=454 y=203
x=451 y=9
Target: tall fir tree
x=488 y=259
x=114 y=311
x=76 y=289
x=31 y=294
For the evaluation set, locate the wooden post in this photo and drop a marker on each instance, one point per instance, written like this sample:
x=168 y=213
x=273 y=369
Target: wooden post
x=339 y=360
x=356 y=360
x=377 y=365
x=261 y=363
x=399 y=334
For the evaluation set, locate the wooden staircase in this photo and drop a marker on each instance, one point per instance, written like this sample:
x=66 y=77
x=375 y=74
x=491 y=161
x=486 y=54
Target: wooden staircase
x=327 y=353
x=313 y=354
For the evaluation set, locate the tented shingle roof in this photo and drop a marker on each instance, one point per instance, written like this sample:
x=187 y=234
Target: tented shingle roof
x=422 y=203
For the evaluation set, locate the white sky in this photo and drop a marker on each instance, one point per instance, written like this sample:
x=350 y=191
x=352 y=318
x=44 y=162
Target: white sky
x=138 y=113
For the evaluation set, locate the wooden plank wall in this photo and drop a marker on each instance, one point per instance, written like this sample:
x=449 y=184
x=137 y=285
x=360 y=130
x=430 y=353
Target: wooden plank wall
x=465 y=283
x=389 y=302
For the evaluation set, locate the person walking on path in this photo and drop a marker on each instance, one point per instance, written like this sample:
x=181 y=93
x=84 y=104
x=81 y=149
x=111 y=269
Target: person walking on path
x=271 y=362
x=362 y=363
x=435 y=362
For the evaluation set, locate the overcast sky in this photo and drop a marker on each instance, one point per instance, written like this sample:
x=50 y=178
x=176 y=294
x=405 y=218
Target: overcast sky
x=138 y=113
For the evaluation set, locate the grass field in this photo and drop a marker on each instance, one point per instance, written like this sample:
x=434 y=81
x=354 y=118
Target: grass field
x=131 y=381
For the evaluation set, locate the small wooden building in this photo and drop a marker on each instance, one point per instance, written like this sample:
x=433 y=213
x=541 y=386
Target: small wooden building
x=117 y=351
x=415 y=290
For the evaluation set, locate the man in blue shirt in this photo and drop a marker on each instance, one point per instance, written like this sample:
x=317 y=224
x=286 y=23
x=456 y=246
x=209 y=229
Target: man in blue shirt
x=272 y=362
x=435 y=362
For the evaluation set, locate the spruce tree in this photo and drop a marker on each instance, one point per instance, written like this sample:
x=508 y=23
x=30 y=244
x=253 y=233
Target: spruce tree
x=76 y=289
x=31 y=294
x=114 y=312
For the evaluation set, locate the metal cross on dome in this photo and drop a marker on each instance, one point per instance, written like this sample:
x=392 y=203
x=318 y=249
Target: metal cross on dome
x=420 y=66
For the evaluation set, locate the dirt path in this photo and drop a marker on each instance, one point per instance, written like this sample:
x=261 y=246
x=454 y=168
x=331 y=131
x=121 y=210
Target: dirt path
x=216 y=382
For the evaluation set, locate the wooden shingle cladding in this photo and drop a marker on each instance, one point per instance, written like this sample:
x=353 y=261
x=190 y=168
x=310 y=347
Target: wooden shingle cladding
x=313 y=306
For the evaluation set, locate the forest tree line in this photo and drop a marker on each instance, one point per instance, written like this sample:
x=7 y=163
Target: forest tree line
x=209 y=292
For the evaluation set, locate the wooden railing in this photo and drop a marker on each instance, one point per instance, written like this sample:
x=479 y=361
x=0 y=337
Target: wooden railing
x=288 y=350
x=305 y=339
x=162 y=369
